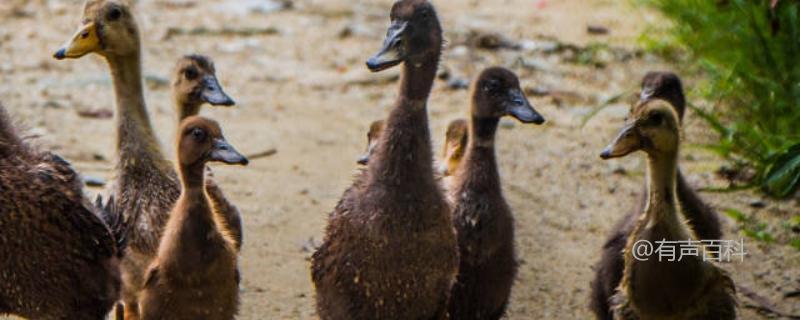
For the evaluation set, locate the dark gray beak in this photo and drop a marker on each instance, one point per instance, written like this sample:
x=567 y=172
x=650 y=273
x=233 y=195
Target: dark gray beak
x=224 y=152
x=363 y=159
x=213 y=94
x=391 y=54
x=518 y=107
x=646 y=94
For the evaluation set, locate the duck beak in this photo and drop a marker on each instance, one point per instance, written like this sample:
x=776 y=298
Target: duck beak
x=646 y=94
x=225 y=153
x=213 y=94
x=518 y=107
x=627 y=141
x=391 y=54
x=363 y=159
x=84 y=41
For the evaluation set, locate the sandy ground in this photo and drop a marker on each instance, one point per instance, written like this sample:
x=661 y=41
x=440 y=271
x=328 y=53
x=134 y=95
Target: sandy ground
x=301 y=87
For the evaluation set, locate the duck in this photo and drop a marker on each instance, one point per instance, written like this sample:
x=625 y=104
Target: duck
x=373 y=137
x=695 y=288
x=194 y=83
x=456 y=139
x=702 y=219
x=60 y=253
x=145 y=185
x=390 y=249
x=194 y=274
x=483 y=219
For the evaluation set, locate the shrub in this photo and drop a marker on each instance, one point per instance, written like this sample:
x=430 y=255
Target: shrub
x=749 y=53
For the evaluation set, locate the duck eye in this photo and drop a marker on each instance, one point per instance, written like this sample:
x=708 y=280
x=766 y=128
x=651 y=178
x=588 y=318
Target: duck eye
x=492 y=85
x=425 y=14
x=199 y=134
x=190 y=73
x=656 y=119
x=114 y=14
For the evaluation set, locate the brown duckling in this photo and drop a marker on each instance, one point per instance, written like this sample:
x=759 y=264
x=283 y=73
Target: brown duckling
x=60 y=260
x=694 y=288
x=194 y=83
x=373 y=136
x=390 y=250
x=702 y=219
x=145 y=185
x=455 y=146
x=482 y=218
x=194 y=274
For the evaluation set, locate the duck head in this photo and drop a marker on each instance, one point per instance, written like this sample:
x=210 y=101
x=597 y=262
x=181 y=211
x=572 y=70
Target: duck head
x=200 y=140
x=666 y=86
x=373 y=136
x=414 y=36
x=497 y=93
x=455 y=146
x=194 y=82
x=652 y=126
x=107 y=28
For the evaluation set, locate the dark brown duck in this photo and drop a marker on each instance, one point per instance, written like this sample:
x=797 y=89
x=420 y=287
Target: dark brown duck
x=700 y=216
x=194 y=83
x=194 y=275
x=58 y=258
x=390 y=250
x=653 y=288
x=145 y=185
x=702 y=219
x=482 y=218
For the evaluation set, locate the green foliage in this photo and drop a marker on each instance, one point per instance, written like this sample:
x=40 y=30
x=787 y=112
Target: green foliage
x=750 y=57
x=751 y=227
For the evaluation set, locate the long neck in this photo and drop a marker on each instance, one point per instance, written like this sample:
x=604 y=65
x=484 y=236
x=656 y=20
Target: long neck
x=186 y=109
x=479 y=167
x=404 y=155
x=136 y=139
x=661 y=176
x=192 y=176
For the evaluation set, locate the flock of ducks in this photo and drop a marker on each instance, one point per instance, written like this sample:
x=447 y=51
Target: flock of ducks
x=408 y=239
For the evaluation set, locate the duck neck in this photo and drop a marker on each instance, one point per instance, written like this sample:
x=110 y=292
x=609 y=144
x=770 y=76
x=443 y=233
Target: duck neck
x=193 y=179
x=136 y=139
x=416 y=79
x=404 y=155
x=661 y=175
x=480 y=165
x=186 y=109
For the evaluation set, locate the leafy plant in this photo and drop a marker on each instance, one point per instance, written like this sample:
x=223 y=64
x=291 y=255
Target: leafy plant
x=751 y=227
x=749 y=53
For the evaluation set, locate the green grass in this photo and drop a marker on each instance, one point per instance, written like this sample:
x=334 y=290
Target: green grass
x=750 y=75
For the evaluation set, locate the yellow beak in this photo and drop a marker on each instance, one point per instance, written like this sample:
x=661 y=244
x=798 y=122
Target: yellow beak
x=84 y=41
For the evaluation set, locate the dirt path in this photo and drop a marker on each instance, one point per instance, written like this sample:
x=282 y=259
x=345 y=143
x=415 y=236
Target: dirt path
x=301 y=87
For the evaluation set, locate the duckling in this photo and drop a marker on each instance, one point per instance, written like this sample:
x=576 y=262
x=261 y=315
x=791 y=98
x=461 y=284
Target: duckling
x=700 y=217
x=145 y=185
x=455 y=145
x=194 y=274
x=60 y=260
x=373 y=136
x=482 y=218
x=390 y=250
x=694 y=288
x=194 y=84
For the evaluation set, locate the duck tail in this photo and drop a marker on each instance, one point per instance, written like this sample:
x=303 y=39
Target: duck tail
x=115 y=221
